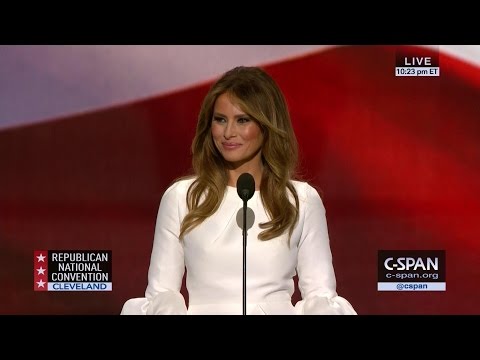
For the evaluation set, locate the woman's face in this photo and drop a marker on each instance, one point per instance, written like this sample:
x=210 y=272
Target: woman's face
x=238 y=137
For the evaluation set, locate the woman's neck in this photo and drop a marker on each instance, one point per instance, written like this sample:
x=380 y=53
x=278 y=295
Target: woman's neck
x=255 y=171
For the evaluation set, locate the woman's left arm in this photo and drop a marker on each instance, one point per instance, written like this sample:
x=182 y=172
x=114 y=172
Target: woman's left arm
x=316 y=276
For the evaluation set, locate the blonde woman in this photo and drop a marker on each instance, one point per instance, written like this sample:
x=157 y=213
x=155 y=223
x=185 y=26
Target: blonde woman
x=243 y=127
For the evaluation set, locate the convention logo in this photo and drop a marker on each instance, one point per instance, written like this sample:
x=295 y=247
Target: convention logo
x=72 y=270
x=411 y=270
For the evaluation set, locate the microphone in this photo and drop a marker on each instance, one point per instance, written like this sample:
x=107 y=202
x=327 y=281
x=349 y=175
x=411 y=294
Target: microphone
x=245 y=186
x=245 y=189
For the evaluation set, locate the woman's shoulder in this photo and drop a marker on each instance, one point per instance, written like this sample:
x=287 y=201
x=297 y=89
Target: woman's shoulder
x=304 y=189
x=180 y=186
x=308 y=195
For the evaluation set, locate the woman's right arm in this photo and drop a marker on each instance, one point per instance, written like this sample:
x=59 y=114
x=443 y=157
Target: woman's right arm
x=167 y=265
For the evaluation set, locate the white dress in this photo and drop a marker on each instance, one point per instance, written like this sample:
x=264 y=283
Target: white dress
x=212 y=253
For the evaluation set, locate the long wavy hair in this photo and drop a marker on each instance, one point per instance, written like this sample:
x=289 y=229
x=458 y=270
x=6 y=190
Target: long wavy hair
x=258 y=95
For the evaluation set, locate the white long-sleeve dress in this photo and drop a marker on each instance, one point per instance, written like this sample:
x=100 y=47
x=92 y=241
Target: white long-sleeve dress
x=212 y=253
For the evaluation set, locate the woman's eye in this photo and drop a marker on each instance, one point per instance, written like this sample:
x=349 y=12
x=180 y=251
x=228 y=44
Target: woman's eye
x=218 y=119
x=243 y=120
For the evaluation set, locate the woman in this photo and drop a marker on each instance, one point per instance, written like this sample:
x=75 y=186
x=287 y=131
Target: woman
x=243 y=127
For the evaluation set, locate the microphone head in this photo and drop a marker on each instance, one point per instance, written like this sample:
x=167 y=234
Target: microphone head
x=245 y=186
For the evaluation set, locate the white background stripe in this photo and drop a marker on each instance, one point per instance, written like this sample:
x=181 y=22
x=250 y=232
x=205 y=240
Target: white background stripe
x=43 y=82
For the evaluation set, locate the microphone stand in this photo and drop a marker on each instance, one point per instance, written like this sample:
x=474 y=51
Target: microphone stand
x=245 y=189
x=245 y=254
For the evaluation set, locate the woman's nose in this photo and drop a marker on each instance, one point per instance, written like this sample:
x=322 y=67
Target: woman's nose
x=230 y=130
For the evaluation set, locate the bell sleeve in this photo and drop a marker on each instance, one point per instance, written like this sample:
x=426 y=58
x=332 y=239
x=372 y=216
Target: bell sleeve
x=316 y=276
x=167 y=265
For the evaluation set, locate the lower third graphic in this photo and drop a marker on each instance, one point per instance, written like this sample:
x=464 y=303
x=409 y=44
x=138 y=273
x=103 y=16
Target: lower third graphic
x=72 y=270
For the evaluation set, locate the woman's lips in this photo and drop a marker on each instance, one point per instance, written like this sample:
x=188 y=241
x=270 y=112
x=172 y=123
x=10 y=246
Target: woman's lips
x=231 y=146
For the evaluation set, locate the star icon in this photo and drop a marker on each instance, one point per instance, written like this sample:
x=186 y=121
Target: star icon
x=41 y=271
x=41 y=283
x=41 y=258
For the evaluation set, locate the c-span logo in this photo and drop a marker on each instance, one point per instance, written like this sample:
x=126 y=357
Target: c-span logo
x=411 y=270
x=72 y=270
